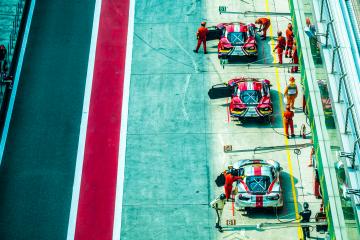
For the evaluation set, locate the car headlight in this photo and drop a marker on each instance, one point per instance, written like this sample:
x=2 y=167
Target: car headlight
x=274 y=197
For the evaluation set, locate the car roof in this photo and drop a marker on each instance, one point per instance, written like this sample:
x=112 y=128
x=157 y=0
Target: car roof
x=236 y=27
x=250 y=85
x=258 y=170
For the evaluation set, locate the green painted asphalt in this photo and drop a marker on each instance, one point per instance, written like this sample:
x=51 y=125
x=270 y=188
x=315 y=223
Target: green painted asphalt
x=37 y=172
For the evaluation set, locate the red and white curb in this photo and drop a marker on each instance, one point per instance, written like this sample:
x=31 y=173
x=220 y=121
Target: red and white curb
x=96 y=205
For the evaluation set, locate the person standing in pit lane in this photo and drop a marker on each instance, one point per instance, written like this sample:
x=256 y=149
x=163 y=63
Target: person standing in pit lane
x=230 y=178
x=289 y=40
x=295 y=59
x=288 y=121
x=218 y=204
x=264 y=26
x=201 y=37
x=280 y=46
x=305 y=218
x=291 y=92
x=3 y=53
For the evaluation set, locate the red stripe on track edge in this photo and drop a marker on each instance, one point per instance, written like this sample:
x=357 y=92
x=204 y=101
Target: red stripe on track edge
x=95 y=216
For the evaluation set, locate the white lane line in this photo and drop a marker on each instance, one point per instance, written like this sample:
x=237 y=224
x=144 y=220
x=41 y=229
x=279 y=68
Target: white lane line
x=192 y=8
x=186 y=115
x=124 y=121
x=180 y=46
x=83 y=125
x=16 y=81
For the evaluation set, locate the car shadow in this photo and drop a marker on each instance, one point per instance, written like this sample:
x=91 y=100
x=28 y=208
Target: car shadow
x=264 y=55
x=264 y=51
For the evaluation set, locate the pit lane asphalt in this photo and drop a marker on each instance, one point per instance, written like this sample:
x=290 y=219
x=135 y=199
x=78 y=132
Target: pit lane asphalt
x=37 y=172
x=176 y=131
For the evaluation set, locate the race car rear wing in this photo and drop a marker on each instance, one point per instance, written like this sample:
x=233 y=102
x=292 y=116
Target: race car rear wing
x=247 y=79
x=244 y=162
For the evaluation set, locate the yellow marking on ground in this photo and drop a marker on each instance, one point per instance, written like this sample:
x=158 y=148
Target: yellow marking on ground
x=277 y=76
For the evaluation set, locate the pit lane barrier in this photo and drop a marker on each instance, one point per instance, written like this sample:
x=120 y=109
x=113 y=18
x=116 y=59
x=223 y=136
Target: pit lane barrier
x=13 y=51
x=295 y=147
x=328 y=18
x=269 y=225
x=254 y=65
x=223 y=10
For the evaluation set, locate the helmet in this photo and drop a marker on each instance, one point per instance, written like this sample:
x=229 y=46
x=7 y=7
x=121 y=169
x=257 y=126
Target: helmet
x=292 y=79
x=203 y=23
x=229 y=165
x=306 y=205
x=222 y=196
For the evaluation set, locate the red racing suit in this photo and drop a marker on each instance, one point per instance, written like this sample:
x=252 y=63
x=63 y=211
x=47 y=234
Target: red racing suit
x=288 y=122
x=289 y=42
x=280 y=46
x=265 y=22
x=229 y=179
x=295 y=60
x=201 y=36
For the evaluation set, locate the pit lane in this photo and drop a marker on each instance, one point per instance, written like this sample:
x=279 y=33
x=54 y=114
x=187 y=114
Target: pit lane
x=177 y=129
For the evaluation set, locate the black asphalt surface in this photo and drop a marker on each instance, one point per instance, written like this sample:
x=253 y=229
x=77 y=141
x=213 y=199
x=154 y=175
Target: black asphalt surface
x=36 y=176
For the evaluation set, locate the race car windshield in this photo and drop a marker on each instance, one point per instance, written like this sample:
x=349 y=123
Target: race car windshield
x=237 y=38
x=258 y=184
x=250 y=96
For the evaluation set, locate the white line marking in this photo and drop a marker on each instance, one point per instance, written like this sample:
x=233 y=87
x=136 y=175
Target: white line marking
x=16 y=81
x=191 y=56
x=186 y=116
x=123 y=129
x=83 y=125
x=192 y=8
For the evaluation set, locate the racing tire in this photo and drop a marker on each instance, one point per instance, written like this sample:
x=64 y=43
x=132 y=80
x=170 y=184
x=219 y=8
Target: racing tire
x=253 y=58
x=269 y=119
x=246 y=211
x=278 y=209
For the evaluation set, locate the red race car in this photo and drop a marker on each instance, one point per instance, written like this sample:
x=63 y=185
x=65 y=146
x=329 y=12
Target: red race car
x=260 y=186
x=236 y=39
x=250 y=98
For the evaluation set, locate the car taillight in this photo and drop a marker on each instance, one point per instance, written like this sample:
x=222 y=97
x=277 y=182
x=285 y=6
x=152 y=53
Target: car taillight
x=244 y=198
x=265 y=109
x=274 y=197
